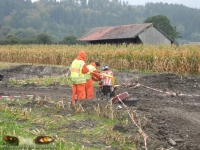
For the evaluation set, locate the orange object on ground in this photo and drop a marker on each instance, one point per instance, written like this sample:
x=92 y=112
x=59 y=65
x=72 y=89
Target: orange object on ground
x=121 y=96
x=77 y=69
x=43 y=139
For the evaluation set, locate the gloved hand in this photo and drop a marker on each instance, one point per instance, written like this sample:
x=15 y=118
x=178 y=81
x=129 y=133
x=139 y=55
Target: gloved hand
x=100 y=82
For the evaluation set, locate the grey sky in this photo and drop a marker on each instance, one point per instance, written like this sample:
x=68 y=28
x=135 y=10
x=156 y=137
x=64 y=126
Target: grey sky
x=188 y=3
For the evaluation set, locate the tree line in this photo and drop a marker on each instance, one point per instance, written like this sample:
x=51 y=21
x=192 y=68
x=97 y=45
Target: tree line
x=50 y=21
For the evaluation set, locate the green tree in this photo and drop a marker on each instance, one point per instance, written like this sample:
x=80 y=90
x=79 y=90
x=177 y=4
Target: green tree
x=5 y=30
x=69 y=40
x=11 y=39
x=24 y=33
x=163 y=23
x=44 y=39
x=195 y=37
x=83 y=3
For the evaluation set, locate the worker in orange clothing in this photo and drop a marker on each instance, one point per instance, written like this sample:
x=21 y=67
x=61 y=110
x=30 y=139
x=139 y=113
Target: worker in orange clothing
x=78 y=69
x=91 y=76
x=108 y=82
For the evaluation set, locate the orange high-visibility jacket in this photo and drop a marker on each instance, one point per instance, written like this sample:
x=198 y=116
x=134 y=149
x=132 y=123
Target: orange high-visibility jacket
x=106 y=80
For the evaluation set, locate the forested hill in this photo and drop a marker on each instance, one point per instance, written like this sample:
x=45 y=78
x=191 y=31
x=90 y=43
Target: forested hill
x=25 y=19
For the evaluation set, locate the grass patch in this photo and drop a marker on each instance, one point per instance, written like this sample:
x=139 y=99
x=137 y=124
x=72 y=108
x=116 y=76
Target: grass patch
x=71 y=131
x=7 y=64
x=45 y=81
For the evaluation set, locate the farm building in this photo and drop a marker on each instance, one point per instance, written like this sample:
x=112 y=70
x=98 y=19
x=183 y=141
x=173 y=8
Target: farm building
x=134 y=33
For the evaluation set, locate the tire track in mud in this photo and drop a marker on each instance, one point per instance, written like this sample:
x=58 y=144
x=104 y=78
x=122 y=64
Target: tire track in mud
x=192 y=117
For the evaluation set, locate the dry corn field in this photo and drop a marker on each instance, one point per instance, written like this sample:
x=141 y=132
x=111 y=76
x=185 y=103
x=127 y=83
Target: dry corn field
x=174 y=59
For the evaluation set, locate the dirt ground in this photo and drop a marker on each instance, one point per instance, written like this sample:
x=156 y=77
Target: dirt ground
x=173 y=121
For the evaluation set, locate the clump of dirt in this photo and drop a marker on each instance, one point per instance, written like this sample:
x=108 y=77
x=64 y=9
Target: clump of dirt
x=29 y=71
x=87 y=123
x=169 y=120
x=37 y=103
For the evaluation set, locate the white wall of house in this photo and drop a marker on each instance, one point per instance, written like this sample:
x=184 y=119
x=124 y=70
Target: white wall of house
x=152 y=36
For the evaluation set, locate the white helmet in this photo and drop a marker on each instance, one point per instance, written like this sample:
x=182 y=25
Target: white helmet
x=105 y=67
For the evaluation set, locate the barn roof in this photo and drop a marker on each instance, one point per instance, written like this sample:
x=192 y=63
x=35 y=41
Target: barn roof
x=114 y=32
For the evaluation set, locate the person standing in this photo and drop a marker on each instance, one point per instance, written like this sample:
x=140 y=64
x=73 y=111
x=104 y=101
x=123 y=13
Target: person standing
x=78 y=69
x=91 y=76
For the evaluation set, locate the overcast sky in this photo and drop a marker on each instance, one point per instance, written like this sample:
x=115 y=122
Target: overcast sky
x=188 y=3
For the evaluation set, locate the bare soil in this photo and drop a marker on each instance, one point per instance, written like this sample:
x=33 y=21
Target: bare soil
x=173 y=122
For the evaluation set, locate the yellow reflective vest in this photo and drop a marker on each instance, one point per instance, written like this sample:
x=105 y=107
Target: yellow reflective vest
x=76 y=75
x=91 y=69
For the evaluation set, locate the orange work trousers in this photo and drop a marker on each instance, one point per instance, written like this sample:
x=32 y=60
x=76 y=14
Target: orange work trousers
x=89 y=89
x=78 y=91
